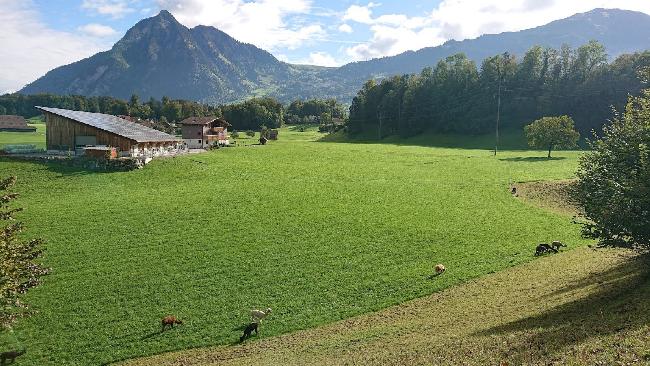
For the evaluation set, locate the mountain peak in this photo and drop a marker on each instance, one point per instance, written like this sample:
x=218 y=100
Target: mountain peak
x=160 y=56
x=165 y=14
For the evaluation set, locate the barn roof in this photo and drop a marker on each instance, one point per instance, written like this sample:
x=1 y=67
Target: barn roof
x=10 y=121
x=113 y=124
x=204 y=121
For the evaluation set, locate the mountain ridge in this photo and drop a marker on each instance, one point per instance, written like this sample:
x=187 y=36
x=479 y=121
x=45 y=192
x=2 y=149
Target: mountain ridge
x=159 y=56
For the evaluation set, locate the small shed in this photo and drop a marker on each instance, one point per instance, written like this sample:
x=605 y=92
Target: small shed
x=13 y=123
x=101 y=152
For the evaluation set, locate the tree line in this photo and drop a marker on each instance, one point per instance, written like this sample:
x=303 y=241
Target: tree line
x=457 y=96
x=247 y=115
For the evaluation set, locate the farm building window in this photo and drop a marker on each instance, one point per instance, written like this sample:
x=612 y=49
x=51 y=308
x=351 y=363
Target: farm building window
x=199 y=141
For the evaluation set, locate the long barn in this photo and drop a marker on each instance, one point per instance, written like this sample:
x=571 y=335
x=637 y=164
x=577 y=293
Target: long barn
x=75 y=130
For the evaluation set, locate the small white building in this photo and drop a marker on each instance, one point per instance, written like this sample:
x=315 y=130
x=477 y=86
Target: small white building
x=203 y=132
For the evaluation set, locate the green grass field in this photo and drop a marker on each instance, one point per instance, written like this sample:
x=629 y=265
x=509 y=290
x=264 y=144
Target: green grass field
x=582 y=307
x=317 y=231
x=19 y=138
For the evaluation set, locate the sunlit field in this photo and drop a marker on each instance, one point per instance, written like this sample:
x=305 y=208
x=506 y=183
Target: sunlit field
x=318 y=231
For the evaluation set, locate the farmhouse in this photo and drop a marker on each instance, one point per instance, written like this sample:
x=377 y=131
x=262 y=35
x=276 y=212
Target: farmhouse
x=76 y=131
x=14 y=124
x=203 y=132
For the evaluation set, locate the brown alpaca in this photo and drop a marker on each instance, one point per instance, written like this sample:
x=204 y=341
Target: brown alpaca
x=11 y=356
x=169 y=320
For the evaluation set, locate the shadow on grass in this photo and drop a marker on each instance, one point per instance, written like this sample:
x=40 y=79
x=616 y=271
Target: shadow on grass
x=62 y=167
x=151 y=335
x=511 y=140
x=531 y=159
x=621 y=302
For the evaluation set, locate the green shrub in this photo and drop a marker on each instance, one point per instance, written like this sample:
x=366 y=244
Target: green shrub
x=19 y=268
x=614 y=179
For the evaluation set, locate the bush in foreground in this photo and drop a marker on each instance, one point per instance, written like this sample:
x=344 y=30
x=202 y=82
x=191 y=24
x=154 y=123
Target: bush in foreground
x=19 y=270
x=614 y=179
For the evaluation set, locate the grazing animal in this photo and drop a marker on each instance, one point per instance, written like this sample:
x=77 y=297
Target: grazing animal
x=11 y=356
x=258 y=315
x=248 y=331
x=440 y=268
x=544 y=248
x=514 y=190
x=170 y=320
x=557 y=245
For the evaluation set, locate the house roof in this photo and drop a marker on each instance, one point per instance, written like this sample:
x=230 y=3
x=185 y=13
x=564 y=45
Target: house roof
x=113 y=124
x=9 y=121
x=203 y=121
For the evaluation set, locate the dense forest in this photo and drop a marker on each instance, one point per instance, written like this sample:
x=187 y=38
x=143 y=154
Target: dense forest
x=171 y=110
x=247 y=115
x=456 y=96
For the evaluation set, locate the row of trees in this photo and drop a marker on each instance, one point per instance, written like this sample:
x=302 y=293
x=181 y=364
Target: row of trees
x=254 y=113
x=456 y=96
x=250 y=114
x=170 y=110
x=321 y=111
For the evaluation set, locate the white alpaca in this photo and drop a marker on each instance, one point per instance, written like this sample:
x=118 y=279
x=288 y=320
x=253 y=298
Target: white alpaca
x=258 y=315
x=440 y=268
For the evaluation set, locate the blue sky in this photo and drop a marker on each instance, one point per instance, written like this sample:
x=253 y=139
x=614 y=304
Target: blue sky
x=38 y=35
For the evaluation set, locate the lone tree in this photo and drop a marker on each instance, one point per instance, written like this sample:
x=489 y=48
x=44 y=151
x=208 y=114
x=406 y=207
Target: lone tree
x=614 y=179
x=19 y=269
x=552 y=132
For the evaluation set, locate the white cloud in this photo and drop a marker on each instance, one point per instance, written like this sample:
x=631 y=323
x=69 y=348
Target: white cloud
x=387 y=40
x=97 y=30
x=320 y=59
x=462 y=19
x=260 y=22
x=345 y=28
x=114 y=8
x=360 y=14
x=30 y=49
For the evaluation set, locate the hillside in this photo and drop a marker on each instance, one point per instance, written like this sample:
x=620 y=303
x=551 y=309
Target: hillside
x=159 y=56
x=584 y=307
x=620 y=31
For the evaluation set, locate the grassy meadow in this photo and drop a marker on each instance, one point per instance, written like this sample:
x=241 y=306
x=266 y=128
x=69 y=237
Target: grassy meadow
x=582 y=307
x=318 y=231
x=27 y=138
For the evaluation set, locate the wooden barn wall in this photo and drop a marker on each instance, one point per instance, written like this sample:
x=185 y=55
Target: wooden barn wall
x=61 y=133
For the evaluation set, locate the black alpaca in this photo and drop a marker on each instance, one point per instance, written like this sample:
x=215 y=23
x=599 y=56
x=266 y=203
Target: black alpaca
x=544 y=248
x=557 y=245
x=248 y=331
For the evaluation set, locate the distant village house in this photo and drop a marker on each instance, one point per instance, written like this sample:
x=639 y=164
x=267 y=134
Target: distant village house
x=76 y=132
x=203 y=132
x=14 y=124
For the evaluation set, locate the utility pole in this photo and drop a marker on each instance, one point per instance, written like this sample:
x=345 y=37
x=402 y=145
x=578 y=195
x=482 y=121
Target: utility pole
x=379 y=117
x=399 y=113
x=496 y=145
